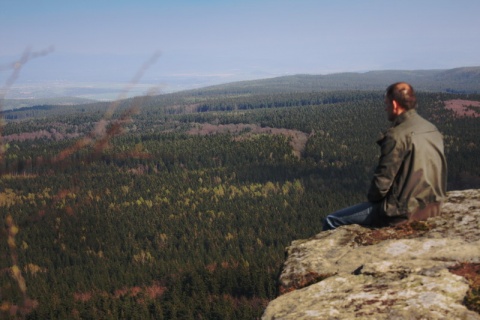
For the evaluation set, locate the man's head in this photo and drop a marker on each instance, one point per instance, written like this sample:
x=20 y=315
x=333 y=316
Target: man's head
x=399 y=97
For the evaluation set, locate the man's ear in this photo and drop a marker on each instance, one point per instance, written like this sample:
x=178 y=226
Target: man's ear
x=397 y=108
x=394 y=105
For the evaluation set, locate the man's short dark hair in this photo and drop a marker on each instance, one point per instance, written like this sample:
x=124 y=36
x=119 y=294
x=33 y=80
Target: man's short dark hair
x=403 y=93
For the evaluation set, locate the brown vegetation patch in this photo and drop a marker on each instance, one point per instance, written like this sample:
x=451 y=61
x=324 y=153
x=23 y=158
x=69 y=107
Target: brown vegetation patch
x=464 y=108
x=153 y=291
x=404 y=231
x=306 y=280
x=244 y=131
x=40 y=134
x=82 y=296
x=471 y=272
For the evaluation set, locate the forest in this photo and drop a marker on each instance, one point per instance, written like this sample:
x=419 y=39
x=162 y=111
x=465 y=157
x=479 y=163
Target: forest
x=180 y=206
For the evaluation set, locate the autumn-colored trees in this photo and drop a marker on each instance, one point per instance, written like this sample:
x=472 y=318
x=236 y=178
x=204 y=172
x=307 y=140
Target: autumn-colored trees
x=159 y=221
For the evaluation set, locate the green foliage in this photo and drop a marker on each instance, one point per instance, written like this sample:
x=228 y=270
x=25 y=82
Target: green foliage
x=135 y=217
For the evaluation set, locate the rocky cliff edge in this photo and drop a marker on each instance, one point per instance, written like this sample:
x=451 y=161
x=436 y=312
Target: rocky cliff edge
x=423 y=270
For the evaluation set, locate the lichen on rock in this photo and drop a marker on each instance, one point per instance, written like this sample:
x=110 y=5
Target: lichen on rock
x=407 y=272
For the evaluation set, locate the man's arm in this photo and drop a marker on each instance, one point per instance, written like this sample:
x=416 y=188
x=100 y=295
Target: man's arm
x=391 y=158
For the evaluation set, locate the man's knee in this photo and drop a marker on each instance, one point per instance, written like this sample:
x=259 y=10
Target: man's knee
x=328 y=223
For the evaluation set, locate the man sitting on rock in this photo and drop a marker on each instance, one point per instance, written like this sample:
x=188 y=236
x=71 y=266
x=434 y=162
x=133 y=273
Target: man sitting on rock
x=409 y=182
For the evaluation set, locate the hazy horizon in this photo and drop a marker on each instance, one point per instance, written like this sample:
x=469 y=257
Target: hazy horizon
x=200 y=43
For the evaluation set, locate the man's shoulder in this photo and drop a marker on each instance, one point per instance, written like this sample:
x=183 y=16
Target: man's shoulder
x=423 y=124
x=415 y=122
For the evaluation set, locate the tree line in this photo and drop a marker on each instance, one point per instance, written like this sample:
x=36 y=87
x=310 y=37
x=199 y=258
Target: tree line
x=135 y=217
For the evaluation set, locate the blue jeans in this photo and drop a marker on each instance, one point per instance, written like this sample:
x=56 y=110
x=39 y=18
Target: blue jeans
x=364 y=214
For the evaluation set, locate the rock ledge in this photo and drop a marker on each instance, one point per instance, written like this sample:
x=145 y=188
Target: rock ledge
x=424 y=270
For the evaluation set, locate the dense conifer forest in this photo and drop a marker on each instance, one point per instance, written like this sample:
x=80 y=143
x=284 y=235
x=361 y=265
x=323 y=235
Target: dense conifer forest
x=180 y=206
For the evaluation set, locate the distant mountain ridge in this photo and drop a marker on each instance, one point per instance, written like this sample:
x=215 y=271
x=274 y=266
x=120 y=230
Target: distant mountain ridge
x=11 y=104
x=459 y=80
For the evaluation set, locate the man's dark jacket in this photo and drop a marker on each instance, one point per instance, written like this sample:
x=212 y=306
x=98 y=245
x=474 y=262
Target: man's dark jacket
x=410 y=179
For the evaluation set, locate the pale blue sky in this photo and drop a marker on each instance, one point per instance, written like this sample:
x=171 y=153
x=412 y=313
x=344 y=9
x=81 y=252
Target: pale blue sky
x=229 y=40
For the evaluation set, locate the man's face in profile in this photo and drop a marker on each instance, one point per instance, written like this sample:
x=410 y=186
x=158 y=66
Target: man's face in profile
x=389 y=110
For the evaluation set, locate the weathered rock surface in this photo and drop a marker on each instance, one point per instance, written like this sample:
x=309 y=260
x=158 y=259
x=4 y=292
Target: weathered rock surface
x=391 y=273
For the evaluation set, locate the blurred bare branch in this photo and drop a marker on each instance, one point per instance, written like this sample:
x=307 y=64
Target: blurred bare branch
x=98 y=138
x=17 y=66
x=104 y=130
